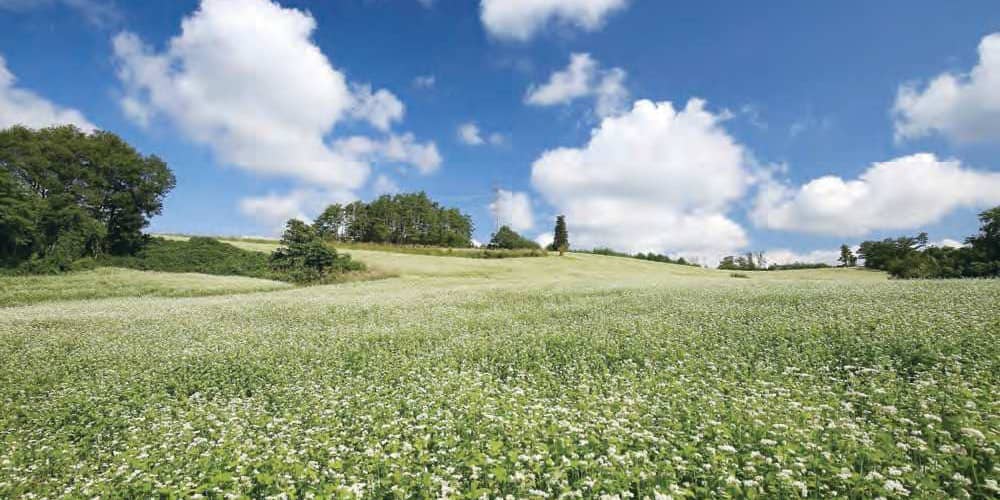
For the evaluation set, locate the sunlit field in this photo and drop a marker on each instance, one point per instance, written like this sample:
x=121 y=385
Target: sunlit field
x=559 y=377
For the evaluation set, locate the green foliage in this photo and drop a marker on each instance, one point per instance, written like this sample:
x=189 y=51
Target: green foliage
x=650 y=256
x=196 y=255
x=847 y=257
x=797 y=265
x=400 y=219
x=305 y=258
x=65 y=194
x=507 y=238
x=748 y=262
x=911 y=258
x=560 y=236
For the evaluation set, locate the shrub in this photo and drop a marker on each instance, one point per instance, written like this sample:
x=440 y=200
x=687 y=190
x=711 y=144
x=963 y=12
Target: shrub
x=196 y=255
x=305 y=258
x=505 y=237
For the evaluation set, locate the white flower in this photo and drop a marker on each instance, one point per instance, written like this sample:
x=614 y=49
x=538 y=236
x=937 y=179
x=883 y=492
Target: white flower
x=893 y=486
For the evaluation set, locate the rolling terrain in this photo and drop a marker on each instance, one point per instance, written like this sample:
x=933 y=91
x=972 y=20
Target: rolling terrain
x=578 y=376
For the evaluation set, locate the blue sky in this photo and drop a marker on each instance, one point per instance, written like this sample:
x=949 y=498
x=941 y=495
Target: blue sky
x=371 y=96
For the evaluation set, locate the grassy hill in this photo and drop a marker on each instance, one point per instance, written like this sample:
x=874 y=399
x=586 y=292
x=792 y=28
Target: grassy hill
x=583 y=374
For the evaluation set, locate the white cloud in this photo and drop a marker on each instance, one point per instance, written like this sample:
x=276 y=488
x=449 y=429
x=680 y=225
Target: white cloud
x=963 y=107
x=469 y=134
x=424 y=81
x=521 y=19
x=19 y=106
x=513 y=208
x=652 y=179
x=785 y=256
x=402 y=149
x=582 y=78
x=947 y=242
x=273 y=210
x=245 y=78
x=380 y=108
x=902 y=193
x=545 y=239
x=385 y=185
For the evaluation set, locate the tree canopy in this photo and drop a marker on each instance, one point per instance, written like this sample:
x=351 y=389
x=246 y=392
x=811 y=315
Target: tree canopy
x=912 y=257
x=507 y=238
x=305 y=258
x=401 y=219
x=65 y=194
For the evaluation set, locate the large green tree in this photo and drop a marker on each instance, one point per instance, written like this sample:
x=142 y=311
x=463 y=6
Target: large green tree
x=401 y=219
x=67 y=193
x=507 y=238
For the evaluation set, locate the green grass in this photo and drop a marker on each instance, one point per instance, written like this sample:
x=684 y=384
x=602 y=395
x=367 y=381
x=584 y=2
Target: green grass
x=113 y=282
x=580 y=374
x=470 y=253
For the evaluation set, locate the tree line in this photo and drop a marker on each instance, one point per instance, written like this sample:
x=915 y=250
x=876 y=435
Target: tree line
x=66 y=194
x=400 y=219
x=913 y=257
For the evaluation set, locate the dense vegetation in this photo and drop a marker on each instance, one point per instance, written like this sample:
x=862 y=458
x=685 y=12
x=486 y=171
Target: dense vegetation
x=304 y=257
x=575 y=377
x=650 y=256
x=508 y=239
x=400 y=219
x=756 y=261
x=797 y=265
x=195 y=255
x=65 y=194
x=912 y=257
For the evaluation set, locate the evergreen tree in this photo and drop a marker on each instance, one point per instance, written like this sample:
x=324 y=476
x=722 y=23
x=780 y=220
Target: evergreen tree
x=560 y=240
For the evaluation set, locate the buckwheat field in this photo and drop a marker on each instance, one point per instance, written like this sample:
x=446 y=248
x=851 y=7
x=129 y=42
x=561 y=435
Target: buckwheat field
x=574 y=377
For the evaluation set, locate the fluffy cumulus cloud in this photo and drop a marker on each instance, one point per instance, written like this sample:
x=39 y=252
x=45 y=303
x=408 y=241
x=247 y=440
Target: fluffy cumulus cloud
x=902 y=193
x=20 y=106
x=380 y=108
x=653 y=179
x=522 y=19
x=395 y=148
x=962 y=107
x=513 y=208
x=245 y=78
x=583 y=77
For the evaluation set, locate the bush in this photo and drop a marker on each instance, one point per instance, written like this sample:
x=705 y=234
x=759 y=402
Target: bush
x=507 y=238
x=196 y=255
x=305 y=258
